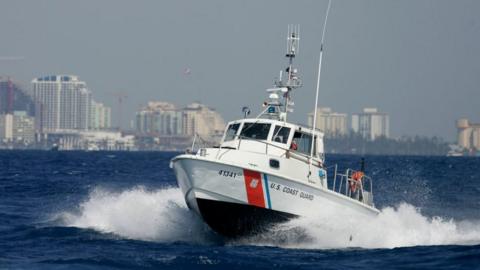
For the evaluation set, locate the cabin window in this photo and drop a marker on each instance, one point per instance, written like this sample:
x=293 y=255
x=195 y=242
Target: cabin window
x=256 y=131
x=231 y=132
x=302 y=143
x=280 y=134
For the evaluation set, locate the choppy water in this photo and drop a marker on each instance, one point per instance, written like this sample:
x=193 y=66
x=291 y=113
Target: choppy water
x=63 y=210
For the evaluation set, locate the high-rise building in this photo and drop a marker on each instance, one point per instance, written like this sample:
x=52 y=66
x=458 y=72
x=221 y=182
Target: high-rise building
x=63 y=102
x=464 y=133
x=202 y=120
x=6 y=127
x=371 y=124
x=468 y=134
x=14 y=98
x=476 y=138
x=100 y=116
x=331 y=123
x=159 y=118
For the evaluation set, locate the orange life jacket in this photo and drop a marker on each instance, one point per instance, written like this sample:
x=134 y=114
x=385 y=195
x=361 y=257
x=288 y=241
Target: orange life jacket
x=356 y=180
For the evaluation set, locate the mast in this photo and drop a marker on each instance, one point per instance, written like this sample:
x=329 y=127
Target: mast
x=293 y=44
x=276 y=108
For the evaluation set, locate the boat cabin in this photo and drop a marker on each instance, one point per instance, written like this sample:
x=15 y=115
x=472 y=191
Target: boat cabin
x=273 y=137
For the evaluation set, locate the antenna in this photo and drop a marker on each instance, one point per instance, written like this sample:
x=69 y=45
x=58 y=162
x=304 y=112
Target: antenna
x=320 y=57
x=280 y=102
x=293 y=40
x=246 y=111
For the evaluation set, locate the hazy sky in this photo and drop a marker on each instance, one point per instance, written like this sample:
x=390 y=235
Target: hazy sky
x=417 y=60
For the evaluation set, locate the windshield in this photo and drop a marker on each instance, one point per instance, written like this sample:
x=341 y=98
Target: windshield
x=231 y=132
x=280 y=134
x=257 y=131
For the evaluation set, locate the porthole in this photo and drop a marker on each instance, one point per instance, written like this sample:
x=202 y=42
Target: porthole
x=274 y=163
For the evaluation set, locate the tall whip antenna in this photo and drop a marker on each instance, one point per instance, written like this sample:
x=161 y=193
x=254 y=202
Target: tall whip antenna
x=318 y=77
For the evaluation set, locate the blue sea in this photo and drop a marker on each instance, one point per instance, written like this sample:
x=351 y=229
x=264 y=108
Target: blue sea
x=123 y=210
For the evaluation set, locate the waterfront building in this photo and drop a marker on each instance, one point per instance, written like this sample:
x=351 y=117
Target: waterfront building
x=371 y=124
x=202 y=120
x=163 y=119
x=6 y=128
x=159 y=118
x=468 y=134
x=91 y=140
x=100 y=116
x=63 y=102
x=331 y=123
x=476 y=138
x=17 y=127
x=23 y=127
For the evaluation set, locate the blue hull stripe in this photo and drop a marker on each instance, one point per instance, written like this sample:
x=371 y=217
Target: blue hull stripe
x=267 y=187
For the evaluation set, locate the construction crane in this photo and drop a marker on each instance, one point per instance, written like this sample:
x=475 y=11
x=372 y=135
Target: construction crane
x=120 y=96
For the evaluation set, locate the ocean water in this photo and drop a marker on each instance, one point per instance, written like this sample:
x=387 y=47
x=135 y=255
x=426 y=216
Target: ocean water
x=120 y=210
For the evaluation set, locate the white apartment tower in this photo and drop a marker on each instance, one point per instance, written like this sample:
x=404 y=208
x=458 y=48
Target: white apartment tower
x=100 y=116
x=371 y=124
x=62 y=102
x=331 y=123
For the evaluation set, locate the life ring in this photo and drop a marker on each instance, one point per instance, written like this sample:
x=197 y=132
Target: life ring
x=356 y=180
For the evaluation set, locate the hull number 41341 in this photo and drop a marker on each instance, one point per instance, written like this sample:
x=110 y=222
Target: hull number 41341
x=228 y=173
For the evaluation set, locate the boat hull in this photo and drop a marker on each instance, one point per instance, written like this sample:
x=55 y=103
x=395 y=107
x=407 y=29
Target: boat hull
x=236 y=201
x=235 y=219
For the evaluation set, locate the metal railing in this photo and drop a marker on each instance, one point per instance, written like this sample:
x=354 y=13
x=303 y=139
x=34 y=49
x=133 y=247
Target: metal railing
x=200 y=143
x=343 y=182
x=239 y=139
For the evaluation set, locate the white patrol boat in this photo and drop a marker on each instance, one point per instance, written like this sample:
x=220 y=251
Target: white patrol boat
x=267 y=170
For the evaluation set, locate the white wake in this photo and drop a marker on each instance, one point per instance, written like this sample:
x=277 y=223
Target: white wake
x=137 y=213
x=401 y=226
x=163 y=216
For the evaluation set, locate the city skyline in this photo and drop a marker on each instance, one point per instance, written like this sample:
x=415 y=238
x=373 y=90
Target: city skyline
x=72 y=120
x=416 y=62
x=370 y=123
